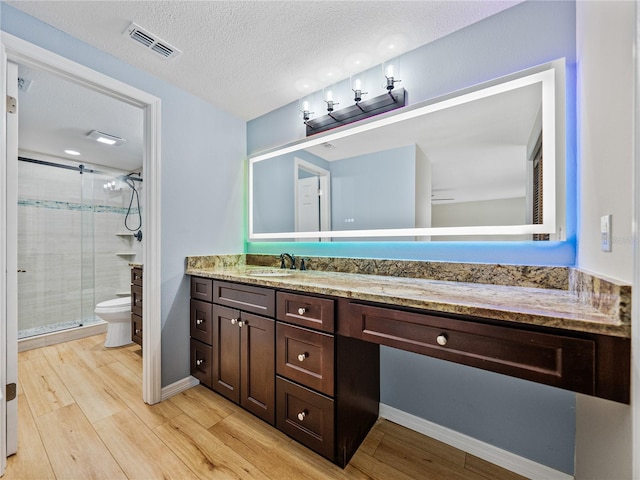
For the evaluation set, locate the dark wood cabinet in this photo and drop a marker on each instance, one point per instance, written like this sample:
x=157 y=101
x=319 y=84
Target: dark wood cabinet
x=240 y=344
x=243 y=360
x=136 y=305
x=315 y=378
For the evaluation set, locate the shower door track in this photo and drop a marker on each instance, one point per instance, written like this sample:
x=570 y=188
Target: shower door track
x=80 y=168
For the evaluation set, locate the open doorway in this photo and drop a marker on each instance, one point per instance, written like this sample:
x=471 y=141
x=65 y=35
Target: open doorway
x=25 y=54
x=312 y=191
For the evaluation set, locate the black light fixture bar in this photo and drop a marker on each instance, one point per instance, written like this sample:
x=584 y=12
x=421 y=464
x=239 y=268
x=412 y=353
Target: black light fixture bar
x=391 y=100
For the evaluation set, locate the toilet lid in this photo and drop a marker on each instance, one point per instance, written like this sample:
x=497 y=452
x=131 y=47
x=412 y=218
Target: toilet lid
x=115 y=304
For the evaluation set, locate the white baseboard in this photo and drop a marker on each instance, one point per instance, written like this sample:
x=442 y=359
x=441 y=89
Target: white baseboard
x=62 y=336
x=515 y=463
x=179 y=386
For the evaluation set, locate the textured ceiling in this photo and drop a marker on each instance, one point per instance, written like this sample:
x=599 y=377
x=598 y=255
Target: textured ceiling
x=247 y=57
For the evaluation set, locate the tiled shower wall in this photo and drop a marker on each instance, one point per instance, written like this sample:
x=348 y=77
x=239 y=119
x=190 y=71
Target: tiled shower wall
x=68 y=245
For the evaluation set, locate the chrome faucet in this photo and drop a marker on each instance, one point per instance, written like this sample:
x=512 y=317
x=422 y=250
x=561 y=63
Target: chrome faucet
x=292 y=259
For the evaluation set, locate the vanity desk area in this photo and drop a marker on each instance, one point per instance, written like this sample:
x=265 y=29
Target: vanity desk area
x=316 y=371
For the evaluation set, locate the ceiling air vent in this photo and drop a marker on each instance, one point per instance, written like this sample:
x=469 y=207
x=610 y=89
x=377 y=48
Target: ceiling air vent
x=152 y=42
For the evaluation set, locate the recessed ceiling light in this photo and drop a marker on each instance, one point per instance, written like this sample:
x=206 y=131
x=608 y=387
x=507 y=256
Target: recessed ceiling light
x=105 y=138
x=71 y=152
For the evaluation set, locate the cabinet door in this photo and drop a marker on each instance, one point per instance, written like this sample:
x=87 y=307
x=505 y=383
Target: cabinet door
x=226 y=352
x=258 y=366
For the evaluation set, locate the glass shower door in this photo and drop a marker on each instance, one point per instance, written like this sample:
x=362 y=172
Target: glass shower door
x=53 y=245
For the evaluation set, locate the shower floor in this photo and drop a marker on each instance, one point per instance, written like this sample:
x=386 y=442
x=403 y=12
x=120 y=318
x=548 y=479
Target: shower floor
x=55 y=327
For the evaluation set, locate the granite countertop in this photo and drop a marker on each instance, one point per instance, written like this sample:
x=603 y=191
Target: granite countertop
x=526 y=305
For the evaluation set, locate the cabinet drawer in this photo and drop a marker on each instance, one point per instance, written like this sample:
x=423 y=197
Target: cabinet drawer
x=201 y=361
x=305 y=356
x=555 y=360
x=306 y=416
x=136 y=276
x=306 y=311
x=245 y=297
x=136 y=299
x=136 y=329
x=202 y=321
x=202 y=289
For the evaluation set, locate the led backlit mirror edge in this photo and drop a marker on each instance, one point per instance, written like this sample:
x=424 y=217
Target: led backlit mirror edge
x=551 y=76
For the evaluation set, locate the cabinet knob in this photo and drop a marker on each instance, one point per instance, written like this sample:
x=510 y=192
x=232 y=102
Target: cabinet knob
x=199 y=362
x=302 y=311
x=442 y=339
x=234 y=321
x=302 y=415
x=199 y=321
x=302 y=356
x=241 y=323
x=138 y=331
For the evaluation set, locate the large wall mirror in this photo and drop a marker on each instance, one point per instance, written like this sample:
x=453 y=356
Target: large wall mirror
x=486 y=163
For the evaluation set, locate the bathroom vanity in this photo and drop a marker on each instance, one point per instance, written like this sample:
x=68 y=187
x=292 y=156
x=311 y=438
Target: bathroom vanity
x=314 y=373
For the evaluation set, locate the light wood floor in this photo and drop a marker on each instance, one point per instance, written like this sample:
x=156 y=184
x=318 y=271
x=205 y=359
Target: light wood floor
x=81 y=417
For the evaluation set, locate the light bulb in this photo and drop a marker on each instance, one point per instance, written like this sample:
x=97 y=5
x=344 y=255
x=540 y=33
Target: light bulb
x=329 y=96
x=390 y=71
x=305 y=105
x=357 y=85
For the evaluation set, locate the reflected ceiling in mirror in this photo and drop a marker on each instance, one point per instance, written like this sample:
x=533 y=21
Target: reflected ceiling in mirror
x=465 y=167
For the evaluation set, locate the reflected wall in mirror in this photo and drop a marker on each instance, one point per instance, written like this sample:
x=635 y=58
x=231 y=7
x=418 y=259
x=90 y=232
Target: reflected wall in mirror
x=465 y=167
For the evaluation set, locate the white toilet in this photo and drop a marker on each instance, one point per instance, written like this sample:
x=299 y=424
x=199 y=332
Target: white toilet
x=117 y=313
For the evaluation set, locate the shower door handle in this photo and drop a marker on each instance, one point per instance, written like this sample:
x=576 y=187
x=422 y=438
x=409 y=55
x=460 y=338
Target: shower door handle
x=21 y=271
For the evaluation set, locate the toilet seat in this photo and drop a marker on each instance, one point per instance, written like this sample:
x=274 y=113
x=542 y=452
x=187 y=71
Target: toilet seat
x=115 y=305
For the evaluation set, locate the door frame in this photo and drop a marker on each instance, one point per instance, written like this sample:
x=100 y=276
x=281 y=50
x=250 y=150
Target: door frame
x=325 y=191
x=22 y=52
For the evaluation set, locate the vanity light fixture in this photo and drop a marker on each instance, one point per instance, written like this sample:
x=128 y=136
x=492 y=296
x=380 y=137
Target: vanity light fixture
x=357 y=91
x=390 y=80
x=330 y=103
x=305 y=111
x=105 y=138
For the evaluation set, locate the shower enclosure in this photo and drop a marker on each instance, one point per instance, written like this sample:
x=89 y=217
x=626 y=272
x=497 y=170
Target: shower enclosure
x=73 y=248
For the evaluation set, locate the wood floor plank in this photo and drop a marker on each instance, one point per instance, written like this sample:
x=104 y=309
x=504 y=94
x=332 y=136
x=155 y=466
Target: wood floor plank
x=205 y=454
x=199 y=403
x=129 y=440
x=96 y=399
x=41 y=384
x=270 y=450
x=406 y=457
x=31 y=461
x=130 y=356
x=428 y=444
x=93 y=352
x=128 y=387
x=490 y=470
x=73 y=446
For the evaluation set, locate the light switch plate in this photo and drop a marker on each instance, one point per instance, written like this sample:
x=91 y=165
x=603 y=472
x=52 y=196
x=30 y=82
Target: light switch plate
x=605 y=233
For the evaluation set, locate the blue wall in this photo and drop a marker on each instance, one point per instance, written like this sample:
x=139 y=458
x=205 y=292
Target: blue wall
x=534 y=421
x=202 y=177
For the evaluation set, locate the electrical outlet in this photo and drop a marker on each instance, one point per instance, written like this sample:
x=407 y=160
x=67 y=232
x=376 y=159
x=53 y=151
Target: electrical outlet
x=605 y=233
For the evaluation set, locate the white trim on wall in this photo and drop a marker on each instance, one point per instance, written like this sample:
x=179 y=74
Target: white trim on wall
x=33 y=56
x=497 y=456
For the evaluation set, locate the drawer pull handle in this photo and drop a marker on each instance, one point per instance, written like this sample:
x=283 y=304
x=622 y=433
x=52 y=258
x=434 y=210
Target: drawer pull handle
x=199 y=362
x=302 y=415
x=234 y=321
x=442 y=339
x=199 y=321
x=302 y=356
x=302 y=311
